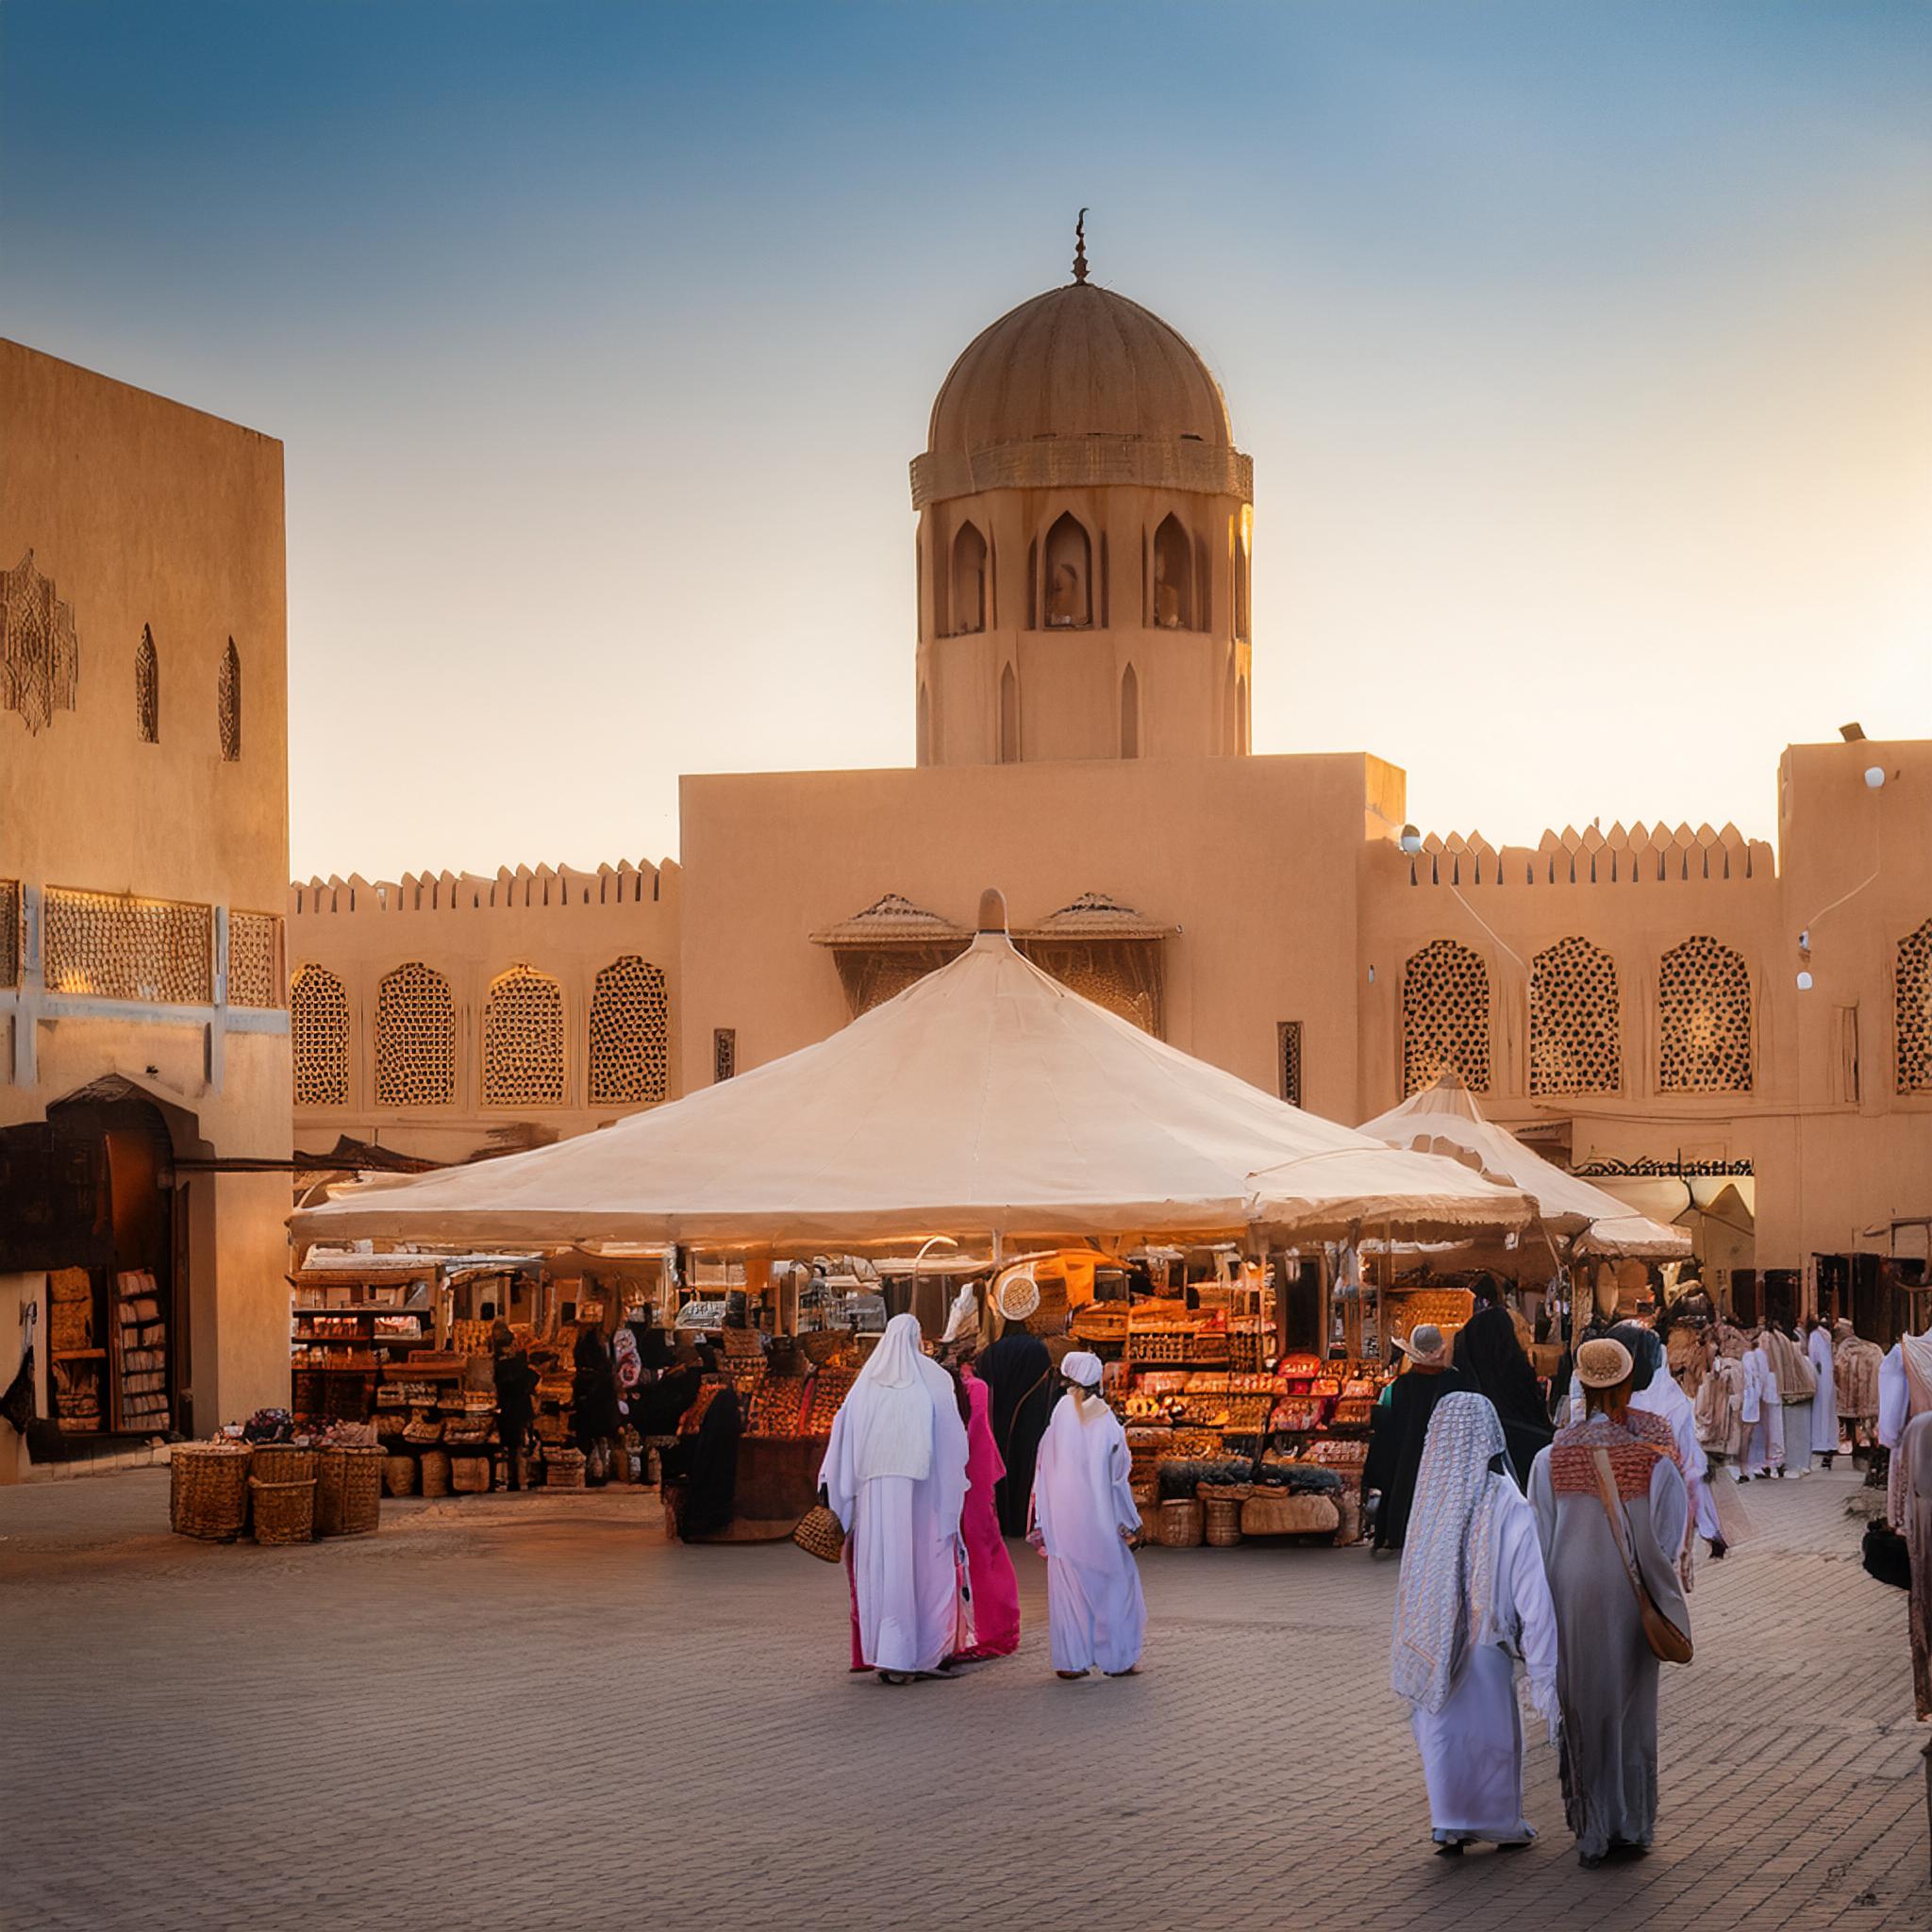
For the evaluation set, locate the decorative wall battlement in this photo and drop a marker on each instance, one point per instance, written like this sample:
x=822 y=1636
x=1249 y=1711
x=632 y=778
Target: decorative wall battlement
x=622 y=884
x=1642 y=855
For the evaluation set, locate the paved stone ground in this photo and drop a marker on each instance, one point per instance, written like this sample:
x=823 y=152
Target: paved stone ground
x=532 y=1712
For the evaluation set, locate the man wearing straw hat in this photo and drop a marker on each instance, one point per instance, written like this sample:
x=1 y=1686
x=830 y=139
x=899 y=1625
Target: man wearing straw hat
x=1402 y=1427
x=1018 y=1373
x=1611 y=1514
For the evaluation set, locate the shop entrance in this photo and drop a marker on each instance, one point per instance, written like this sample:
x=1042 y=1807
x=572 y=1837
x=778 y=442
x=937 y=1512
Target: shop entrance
x=116 y=1279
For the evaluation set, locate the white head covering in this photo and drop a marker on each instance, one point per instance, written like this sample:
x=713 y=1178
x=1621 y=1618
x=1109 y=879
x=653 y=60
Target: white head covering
x=963 y=1324
x=891 y=1407
x=1082 y=1368
x=1448 y=1558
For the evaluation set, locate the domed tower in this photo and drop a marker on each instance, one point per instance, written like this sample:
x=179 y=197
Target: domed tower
x=1084 y=524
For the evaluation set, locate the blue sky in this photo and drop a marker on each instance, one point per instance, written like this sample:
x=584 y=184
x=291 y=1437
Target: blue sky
x=1582 y=351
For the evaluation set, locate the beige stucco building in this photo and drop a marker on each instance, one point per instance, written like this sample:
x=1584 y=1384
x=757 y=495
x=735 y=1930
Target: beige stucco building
x=144 y=1088
x=1082 y=662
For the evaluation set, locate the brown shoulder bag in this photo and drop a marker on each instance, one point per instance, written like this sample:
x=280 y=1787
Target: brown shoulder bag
x=1668 y=1644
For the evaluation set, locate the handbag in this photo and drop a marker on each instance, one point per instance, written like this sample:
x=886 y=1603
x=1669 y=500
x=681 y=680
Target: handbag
x=820 y=1534
x=1668 y=1644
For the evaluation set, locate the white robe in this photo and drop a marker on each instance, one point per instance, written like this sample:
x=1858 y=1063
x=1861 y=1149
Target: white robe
x=1824 y=1430
x=1894 y=1398
x=1764 y=1416
x=1081 y=1503
x=904 y=1540
x=1472 y=1747
x=1664 y=1398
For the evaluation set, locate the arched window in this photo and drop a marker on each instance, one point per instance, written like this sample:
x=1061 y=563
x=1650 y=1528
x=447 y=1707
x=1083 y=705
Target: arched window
x=969 y=580
x=229 y=703
x=1445 y=1017
x=1069 y=589
x=147 y=688
x=1130 y=714
x=1010 y=717
x=415 y=1039
x=925 y=739
x=1912 y=1012
x=319 y=1034
x=1174 y=577
x=1575 y=1025
x=630 y=1034
x=1703 y=1019
x=523 y=1040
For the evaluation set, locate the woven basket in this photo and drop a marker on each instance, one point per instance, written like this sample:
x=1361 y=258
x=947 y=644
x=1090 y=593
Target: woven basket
x=817 y=1534
x=1182 y=1523
x=282 y=1513
x=822 y=1345
x=434 y=1464
x=742 y=1342
x=1274 y=1512
x=469 y=1476
x=207 y=1490
x=283 y=1462
x=424 y=1430
x=1222 y=1528
x=563 y=1468
x=399 y=1474
x=390 y=1427
x=348 y=1490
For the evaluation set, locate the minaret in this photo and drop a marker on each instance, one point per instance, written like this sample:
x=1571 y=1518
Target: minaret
x=1084 y=524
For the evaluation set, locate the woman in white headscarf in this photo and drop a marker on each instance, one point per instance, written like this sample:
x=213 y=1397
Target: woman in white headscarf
x=1472 y=1598
x=1085 y=1521
x=894 y=1474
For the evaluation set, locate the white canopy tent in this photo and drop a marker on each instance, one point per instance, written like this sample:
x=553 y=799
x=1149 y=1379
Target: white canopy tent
x=1443 y=1119
x=986 y=1099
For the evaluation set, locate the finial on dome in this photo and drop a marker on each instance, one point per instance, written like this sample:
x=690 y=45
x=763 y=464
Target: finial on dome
x=1080 y=247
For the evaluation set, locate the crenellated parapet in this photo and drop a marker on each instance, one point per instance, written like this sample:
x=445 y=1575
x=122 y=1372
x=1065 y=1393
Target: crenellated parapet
x=1642 y=855
x=521 y=889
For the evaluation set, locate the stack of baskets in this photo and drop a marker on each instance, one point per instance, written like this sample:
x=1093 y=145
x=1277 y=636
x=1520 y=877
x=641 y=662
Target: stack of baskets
x=281 y=1494
x=348 y=1489
x=207 y=1490
x=563 y=1468
x=469 y=1476
x=1222 y=1505
x=435 y=1466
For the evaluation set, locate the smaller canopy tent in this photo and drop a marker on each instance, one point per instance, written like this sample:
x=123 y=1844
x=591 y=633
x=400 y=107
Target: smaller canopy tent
x=987 y=1098
x=1444 y=1119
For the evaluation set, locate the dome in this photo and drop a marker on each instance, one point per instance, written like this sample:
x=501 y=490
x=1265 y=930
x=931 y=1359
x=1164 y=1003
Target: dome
x=1077 y=361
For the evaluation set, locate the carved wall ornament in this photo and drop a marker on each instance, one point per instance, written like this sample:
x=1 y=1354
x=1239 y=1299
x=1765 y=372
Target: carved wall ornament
x=40 y=655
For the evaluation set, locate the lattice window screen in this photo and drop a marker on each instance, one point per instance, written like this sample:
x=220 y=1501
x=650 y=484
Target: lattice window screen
x=415 y=1039
x=1575 y=1025
x=1912 y=1012
x=724 y=1053
x=160 y=950
x=319 y=1029
x=630 y=1034
x=9 y=932
x=40 y=655
x=1445 y=1017
x=1287 y=1059
x=1703 y=1019
x=147 y=688
x=229 y=703
x=523 y=1040
x=255 y=960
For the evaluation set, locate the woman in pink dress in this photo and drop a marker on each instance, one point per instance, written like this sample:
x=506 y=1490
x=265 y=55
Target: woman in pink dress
x=995 y=1591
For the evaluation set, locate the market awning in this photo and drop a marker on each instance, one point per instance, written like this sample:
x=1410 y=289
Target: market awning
x=1444 y=1119
x=987 y=1098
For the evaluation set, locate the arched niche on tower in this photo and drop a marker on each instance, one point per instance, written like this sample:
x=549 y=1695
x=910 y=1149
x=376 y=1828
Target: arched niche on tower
x=967 y=589
x=1131 y=713
x=1010 y=717
x=1066 y=576
x=1173 y=589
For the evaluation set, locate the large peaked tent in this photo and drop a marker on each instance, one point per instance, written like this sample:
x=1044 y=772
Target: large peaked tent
x=1443 y=1119
x=986 y=1098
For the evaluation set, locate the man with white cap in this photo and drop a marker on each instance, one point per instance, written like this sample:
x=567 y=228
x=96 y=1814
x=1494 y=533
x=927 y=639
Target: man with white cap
x=1611 y=1514
x=1085 y=1522
x=1402 y=1427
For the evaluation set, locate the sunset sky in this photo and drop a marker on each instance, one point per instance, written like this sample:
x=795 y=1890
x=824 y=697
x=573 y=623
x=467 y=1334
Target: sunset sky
x=1584 y=352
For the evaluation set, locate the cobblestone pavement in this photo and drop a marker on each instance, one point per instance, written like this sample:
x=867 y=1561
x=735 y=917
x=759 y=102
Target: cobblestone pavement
x=532 y=1712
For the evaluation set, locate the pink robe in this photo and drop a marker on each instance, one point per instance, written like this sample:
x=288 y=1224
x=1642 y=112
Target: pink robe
x=989 y=1568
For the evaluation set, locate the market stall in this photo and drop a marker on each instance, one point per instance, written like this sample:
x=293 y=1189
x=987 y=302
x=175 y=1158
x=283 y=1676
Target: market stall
x=987 y=1101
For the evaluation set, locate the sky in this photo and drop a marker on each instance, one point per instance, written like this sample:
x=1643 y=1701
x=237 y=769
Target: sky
x=1584 y=353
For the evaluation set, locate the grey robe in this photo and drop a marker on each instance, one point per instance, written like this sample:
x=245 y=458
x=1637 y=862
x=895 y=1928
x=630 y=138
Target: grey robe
x=1606 y=1673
